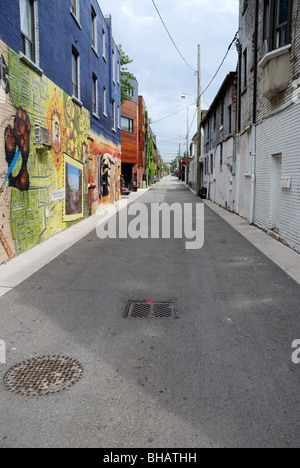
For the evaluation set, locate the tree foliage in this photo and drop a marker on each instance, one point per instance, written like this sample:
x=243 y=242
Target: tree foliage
x=126 y=76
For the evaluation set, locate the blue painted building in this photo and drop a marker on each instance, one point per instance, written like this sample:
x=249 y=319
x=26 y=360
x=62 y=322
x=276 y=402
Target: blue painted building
x=60 y=101
x=60 y=29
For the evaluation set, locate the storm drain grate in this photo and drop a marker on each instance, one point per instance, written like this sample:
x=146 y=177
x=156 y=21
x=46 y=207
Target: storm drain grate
x=43 y=375
x=151 y=310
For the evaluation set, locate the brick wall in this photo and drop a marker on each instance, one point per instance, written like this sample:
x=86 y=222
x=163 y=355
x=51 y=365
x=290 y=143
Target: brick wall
x=277 y=136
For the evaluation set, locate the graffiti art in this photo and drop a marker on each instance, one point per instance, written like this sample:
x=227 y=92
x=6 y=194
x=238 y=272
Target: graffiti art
x=4 y=73
x=106 y=163
x=74 y=189
x=17 y=144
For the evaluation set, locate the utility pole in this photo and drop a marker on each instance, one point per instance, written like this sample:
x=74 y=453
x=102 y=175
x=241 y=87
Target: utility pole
x=187 y=149
x=199 y=123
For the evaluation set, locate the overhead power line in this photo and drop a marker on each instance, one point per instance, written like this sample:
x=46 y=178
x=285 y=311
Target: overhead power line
x=221 y=64
x=193 y=70
x=171 y=115
x=235 y=40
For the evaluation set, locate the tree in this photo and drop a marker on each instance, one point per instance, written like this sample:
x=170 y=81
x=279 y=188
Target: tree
x=126 y=76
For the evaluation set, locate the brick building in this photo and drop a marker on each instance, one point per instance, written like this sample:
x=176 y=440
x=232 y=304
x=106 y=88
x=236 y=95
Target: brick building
x=219 y=145
x=133 y=139
x=269 y=114
x=59 y=118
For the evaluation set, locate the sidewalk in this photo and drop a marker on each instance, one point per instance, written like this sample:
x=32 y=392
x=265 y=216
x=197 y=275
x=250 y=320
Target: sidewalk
x=287 y=259
x=26 y=264
x=284 y=257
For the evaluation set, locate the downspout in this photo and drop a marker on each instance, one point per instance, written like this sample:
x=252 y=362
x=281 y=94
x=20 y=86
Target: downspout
x=253 y=176
x=238 y=129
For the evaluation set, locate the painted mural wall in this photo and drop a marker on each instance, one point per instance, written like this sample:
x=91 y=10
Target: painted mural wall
x=43 y=190
x=104 y=172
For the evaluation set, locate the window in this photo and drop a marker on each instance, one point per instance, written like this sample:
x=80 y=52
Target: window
x=94 y=30
x=230 y=119
x=208 y=130
x=113 y=115
x=277 y=24
x=221 y=157
x=75 y=74
x=95 y=94
x=118 y=72
x=129 y=92
x=74 y=7
x=127 y=125
x=245 y=68
x=104 y=44
x=104 y=102
x=75 y=11
x=113 y=66
x=28 y=29
x=215 y=120
x=222 y=112
x=281 y=23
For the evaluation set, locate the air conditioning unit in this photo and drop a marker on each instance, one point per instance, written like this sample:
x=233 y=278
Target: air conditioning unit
x=42 y=138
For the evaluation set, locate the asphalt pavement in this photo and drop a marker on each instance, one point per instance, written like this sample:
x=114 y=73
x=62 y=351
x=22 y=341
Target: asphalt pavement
x=219 y=375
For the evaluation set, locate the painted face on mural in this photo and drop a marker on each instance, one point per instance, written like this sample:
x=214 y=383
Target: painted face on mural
x=56 y=133
x=106 y=164
x=17 y=144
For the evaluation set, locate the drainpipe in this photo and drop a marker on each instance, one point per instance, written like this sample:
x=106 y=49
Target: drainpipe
x=253 y=177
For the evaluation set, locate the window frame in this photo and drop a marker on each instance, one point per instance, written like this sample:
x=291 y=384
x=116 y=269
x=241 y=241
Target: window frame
x=104 y=101
x=221 y=157
x=130 y=127
x=74 y=7
x=32 y=41
x=113 y=107
x=230 y=118
x=245 y=69
x=222 y=112
x=76 y=13
x=76 y=54
x=94 y=30
x=270 y=29
x=104 y=45
x=95 y=96
x=113 y=66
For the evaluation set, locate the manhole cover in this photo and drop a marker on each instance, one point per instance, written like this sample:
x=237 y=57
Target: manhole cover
x=43 y=375
x=151 y=310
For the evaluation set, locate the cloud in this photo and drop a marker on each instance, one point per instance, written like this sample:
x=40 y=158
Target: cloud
x=229 y=6
x=161 y=73
x=130 y=10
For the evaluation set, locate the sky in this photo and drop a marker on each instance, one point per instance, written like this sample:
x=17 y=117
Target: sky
x=162 y=74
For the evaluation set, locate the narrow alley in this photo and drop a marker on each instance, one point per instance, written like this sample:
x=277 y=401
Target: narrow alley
x=219 y=375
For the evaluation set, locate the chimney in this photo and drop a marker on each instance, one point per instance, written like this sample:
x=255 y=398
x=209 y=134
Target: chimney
x=108 y=20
